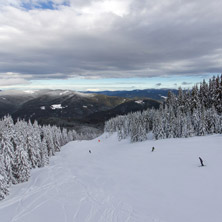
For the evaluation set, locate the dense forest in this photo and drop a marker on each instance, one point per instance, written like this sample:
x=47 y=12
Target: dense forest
x=194 y=112
x=24 y=146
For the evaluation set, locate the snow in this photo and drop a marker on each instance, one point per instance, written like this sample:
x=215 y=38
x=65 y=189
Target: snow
x=83 y=94
x=139 y=102
x=123 y=181
x=56 y=106
x=42 y=107
x=30 y=91
x=84 y=106
x=63 y=93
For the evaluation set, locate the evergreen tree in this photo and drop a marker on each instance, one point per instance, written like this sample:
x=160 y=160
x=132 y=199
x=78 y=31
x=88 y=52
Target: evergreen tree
x=3 y=180
x=21 y=167
x=7 y=153
x=24 y=146
x=194 y=112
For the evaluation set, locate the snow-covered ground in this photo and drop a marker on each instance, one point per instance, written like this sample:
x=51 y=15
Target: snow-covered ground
x=139 y=102
x=123 y=182
x=57 y=106
x=30 y=91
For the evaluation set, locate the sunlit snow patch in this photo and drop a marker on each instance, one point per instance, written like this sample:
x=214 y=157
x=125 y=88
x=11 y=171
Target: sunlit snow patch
x=62 y=93
x=84 y=94
x=139 y=102
x=30 y=91
x=57 y=106
x=42 y=107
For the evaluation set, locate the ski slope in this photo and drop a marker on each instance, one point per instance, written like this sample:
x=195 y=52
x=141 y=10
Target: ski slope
x=123 y=182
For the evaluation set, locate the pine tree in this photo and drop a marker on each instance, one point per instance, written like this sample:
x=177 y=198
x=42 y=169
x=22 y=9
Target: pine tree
x=3 y=180
x=21 y=167
x=24 y=146
x=44 y=158
x=194 y=112
x=7 y=153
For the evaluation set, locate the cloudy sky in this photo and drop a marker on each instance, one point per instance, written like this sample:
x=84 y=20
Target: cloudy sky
x=109 y=44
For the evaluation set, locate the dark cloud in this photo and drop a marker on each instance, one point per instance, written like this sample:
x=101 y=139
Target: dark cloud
x=158 y=84
x=158 y=38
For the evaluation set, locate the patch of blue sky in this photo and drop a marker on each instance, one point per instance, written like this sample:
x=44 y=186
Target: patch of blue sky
x=47 y=5
x=80 y=84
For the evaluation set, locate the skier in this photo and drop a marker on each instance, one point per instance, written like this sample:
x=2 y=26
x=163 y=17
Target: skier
x=201 y=161
x=90 y=151
x=153 y=149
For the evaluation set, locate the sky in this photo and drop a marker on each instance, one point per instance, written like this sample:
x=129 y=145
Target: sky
x=109 y=44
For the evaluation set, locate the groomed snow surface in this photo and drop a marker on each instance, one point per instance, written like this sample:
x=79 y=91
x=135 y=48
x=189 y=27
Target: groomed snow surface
x=123 y=182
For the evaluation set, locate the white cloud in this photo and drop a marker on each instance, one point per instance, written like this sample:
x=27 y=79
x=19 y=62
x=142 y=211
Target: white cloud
x=12 y=79
x=13 y=82
x=116 y=7
x=110 y=38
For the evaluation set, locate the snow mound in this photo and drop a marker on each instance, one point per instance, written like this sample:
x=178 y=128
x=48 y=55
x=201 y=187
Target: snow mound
x=123 y=181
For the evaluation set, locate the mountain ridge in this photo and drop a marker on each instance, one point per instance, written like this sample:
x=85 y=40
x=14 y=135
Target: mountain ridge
x=67 y=108
x=157 y=94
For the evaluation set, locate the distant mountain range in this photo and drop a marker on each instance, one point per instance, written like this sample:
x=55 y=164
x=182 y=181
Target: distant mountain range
x=68 y=108
x=156 y=94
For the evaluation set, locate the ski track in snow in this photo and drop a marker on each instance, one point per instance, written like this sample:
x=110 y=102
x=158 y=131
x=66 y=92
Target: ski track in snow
x=123 y=182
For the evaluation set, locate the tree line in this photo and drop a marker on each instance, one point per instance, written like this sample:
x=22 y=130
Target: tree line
x=194 y=112
x=24 y=146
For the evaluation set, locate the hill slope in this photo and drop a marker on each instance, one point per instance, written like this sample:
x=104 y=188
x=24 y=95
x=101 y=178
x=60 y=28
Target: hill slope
x=157 y=94
x=123 y=182
x=68 y=108
x=55 y=103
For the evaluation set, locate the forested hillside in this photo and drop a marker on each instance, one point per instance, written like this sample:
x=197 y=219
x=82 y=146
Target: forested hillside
x=67 y=108
x=24 y=146
x=156 y=94
x=195 y=112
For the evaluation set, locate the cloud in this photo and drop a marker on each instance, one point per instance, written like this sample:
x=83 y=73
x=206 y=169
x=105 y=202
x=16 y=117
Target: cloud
x=158 y=84
x=186 y=83
x=12 y=79
x=110 y=38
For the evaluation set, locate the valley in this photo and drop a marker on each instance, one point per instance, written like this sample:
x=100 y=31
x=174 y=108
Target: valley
x=70 y=109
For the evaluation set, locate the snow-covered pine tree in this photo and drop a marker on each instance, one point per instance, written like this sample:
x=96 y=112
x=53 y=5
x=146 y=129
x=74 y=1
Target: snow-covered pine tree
x=7 y=155
x=21 y=166
x=3 y=180
x=44 y=158
x=24 y=146
x=49 y=140
x=194 y=112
